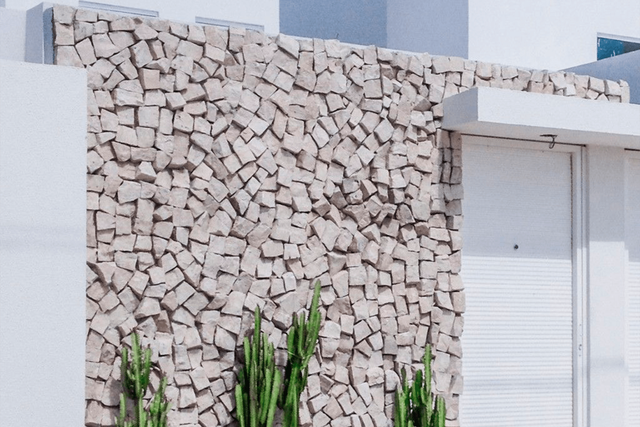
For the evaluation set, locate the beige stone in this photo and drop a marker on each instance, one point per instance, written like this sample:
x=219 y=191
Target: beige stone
x=67 y=55
x=103 y=46
x=141 y=54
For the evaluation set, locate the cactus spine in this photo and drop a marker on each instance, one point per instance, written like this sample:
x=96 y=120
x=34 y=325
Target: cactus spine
x=301 y=345
x=258 y=381
x=135 y=380
x=414 y=405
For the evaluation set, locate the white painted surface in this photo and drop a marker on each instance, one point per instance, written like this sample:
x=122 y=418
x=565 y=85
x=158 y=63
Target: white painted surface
x=546 y=34
x=518 y=339
x=12 y=34
x=606 y=275
x=26 y=35
x=439 y=27
x=260 y=12
x=523 y=115
x=632 y=297
x=42 y=245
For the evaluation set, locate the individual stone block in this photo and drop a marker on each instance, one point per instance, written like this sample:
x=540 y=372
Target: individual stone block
x=190 y=50
x=86 y=52
x=288 y=44
x=103 y=46
x=63 y=14
x=143 y=31
x=234 y=304
x=149 y=79
x=129 y=191
x=149 y=117
x=141 y=54
x=612 y=88
x=122 y=40
x=123 y=97
x=67 y=55
x=183 y=122
x=148 y=307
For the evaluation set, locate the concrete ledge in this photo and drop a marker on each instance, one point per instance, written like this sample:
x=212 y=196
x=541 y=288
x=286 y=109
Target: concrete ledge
x=523 y=115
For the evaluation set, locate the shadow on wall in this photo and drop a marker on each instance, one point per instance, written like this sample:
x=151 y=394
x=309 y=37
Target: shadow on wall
x=356 y=21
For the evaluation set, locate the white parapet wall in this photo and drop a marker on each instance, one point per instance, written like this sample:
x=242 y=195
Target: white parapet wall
x=42 y=244
x=12 y=34
x=264 y=13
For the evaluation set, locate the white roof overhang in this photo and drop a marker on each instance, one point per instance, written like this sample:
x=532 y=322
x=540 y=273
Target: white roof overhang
x=523 y=115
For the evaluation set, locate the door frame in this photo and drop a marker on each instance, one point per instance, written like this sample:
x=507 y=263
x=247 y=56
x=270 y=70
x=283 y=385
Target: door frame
x=579 y=259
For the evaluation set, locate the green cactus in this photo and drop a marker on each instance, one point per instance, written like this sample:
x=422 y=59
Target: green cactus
x=135 y=380
x=414 y=405
x=260 y=386
x=258 y=381
x=301 y=345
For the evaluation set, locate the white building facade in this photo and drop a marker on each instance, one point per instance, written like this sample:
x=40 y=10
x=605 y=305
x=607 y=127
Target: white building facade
x=545 y=34
x=551 y=197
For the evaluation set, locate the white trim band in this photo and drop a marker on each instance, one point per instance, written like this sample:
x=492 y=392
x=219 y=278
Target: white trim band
x=524 y=115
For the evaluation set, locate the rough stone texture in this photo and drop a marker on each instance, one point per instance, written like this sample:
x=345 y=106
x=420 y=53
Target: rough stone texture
x=229 y=170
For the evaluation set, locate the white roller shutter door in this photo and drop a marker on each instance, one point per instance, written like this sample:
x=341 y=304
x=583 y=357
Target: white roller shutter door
x=518 y=275
x=632 y=231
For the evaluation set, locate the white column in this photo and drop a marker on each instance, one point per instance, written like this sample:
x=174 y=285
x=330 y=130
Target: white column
x=42 y=244
x=606 y=281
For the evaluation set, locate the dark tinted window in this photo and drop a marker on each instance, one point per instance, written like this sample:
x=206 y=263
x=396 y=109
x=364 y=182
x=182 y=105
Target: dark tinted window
x=612 y=47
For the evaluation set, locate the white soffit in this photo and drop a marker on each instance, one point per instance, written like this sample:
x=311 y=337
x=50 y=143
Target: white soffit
x=524 y=115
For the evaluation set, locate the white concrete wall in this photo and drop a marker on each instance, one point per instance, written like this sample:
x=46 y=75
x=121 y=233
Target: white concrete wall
x=42 y=245
x=439 y=27
x=259 y=12
x=606 y=285
x=26 y=35
x=546 y=34
x=12 y=34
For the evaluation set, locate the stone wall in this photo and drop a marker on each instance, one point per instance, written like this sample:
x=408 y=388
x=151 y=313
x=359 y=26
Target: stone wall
x=228 y=169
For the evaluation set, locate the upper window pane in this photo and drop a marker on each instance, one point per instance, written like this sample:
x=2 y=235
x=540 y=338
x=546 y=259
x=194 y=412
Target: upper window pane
x=608 y=47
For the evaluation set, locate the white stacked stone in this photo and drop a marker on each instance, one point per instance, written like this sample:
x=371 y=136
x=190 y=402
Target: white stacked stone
x=228 y=170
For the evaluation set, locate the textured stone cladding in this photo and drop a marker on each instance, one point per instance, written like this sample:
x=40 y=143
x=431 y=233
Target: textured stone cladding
x=228 y=169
